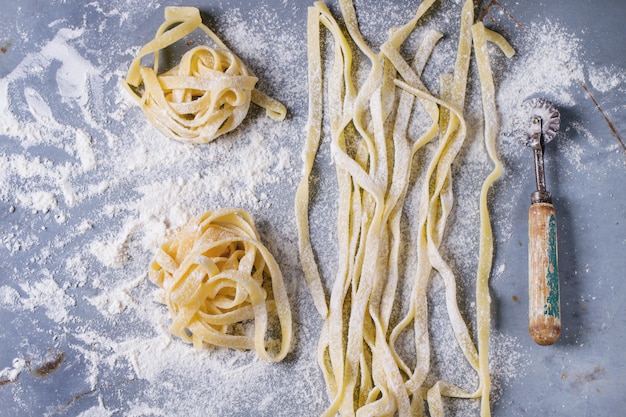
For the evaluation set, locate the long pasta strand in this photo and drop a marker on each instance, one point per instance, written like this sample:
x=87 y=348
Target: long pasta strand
x=373 y=158
x=485 y=257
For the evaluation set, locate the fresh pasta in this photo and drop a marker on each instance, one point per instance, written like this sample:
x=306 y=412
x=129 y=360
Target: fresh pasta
x=206 y=95
x=222 y=286
x=374 y=155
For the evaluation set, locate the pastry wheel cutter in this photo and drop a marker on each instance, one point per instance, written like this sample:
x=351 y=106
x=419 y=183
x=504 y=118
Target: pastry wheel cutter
x=544 y=312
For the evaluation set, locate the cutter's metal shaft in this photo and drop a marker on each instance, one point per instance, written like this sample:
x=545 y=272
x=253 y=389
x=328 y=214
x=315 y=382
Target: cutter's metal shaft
x=536 y=143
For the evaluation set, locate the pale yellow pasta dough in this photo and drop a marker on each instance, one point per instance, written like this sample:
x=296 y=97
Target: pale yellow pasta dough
x=222 y=286
x=206 y=95
x=373 y=152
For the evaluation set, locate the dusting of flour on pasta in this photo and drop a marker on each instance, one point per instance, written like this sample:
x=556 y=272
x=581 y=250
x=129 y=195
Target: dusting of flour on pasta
x=89 y=189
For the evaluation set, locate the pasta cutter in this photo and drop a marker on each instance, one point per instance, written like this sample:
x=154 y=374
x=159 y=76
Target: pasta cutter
x=544 y=311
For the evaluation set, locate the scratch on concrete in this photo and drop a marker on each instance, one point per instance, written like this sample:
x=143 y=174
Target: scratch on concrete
x=608 y=121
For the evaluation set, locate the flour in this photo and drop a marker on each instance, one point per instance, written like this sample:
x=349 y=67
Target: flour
x=99 y=411
x=606 y=79
x=547 y=63
x=38 y=107
x=13 y=372
x=47 y=294
x=38 y=201
x=9 y=298
x=89 y=189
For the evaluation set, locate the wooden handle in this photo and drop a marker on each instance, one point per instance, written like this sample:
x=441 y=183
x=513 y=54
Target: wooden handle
x=544 y=313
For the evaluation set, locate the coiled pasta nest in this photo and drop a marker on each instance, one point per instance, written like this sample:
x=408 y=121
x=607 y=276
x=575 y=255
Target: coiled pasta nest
x=222 y=286
x=203 y=97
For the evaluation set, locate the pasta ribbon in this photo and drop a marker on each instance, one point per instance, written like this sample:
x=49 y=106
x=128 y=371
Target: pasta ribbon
x=373 y=152
x=203 y=97
x=219 y=280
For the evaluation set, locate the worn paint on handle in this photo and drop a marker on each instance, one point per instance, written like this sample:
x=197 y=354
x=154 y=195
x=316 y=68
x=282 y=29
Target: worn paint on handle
x=544 y=294
x=553 y=305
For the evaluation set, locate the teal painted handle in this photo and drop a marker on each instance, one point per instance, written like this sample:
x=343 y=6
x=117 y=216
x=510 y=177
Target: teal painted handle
x=544 y=310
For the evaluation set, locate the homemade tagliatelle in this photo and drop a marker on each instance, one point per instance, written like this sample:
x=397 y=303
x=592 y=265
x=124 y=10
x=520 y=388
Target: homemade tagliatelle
x=206 y=95
x=373 y=150
x=222 y=286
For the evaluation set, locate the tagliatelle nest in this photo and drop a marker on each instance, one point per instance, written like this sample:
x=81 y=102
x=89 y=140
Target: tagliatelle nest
x=218 y=278
x=206 y=95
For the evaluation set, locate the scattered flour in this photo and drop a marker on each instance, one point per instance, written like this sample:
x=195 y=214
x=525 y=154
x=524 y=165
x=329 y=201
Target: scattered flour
x=13 y=372
x=605 y=79
x=48 y=295
x=88 y=190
